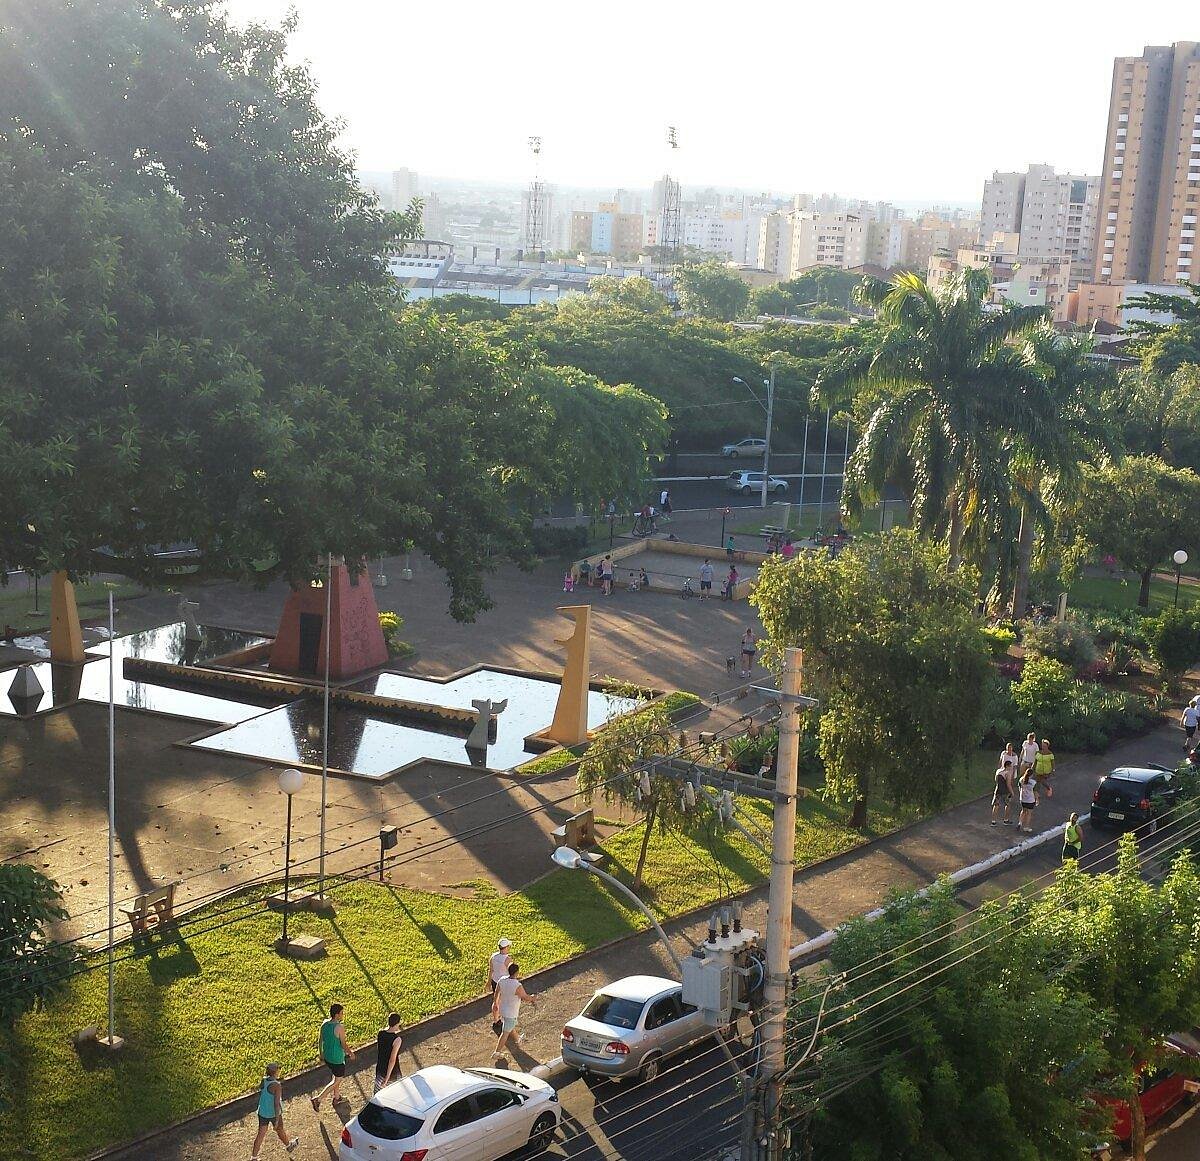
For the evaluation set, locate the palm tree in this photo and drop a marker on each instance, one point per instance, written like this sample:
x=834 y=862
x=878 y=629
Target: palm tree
x=954 y=386
x=1046 y=469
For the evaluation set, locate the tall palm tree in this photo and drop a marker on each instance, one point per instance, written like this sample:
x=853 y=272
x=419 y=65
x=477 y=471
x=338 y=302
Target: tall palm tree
x=953 y=387
x=1046 y=468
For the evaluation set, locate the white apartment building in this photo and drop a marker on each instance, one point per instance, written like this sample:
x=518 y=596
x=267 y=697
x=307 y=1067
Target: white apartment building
x=775 y=243
x=828 y=239
x=1003 y=199
x=404 y=188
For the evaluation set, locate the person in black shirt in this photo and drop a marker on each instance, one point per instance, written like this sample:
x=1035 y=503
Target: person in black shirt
x=387 y=1052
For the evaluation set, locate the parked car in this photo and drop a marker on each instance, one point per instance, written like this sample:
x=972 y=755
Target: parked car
x=443 y=1113
x=629 y=1027
x=744 y=447
x=748 y=482
x=1134 y=796
x=1159 y=1091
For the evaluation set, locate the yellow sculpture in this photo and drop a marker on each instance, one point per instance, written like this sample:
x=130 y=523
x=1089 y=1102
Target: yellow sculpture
x=570 y=725
x=66 y=638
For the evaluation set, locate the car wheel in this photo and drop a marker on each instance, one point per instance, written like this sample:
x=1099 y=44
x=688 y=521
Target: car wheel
x=733 y=455
x=745 y=489
x=780 y=489
x=541 y=1136
x=650 y=1069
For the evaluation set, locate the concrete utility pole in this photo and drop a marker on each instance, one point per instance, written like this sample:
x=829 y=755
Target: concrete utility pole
x=770 y=1143
x=767 y=448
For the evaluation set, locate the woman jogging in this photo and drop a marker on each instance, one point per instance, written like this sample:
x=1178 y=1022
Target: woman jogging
x=1072 y=839
x=749 y=647
x=270 y=1112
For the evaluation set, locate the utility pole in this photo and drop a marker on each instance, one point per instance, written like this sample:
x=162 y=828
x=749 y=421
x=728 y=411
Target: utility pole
x=767 y=448
x=769 y=1142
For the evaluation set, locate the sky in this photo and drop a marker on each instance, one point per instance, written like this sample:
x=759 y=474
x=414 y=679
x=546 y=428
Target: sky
x=912 y=102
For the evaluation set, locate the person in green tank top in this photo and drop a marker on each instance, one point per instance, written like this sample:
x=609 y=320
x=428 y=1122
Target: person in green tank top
x=1072 y=839
x=270 y=1112
x=334 y=1052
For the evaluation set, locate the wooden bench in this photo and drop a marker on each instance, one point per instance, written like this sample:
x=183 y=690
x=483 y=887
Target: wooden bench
x=579 y=833
x=152 y=909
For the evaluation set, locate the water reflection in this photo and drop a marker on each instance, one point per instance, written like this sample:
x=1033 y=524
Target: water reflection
x=373 y=747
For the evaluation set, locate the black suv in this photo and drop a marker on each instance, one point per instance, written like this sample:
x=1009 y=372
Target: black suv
x=1134 y=796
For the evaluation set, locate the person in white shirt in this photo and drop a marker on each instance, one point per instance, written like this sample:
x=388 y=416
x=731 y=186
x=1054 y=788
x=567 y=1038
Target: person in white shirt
x=1189 y=720
x=506 y=1005
x=498 y=964
x=1029 y=753
x=706 y=580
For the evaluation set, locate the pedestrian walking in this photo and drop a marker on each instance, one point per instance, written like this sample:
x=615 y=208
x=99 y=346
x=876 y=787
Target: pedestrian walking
x=506 y=1005
x=1009 y=760
x=1027 y=790
x=1002 y=794
x=1043 y=768
x=664 y=503
x=334 y=1052
x=606 y=576
x=568 y=582
x=731 y=581
x=729 y=547
x=387 y=1052
x=498 y=970
x=1072 y=839
x=270 y=1112
x=1189 y=719
x=706 y=579
x=1029 y=751
x=749 y=646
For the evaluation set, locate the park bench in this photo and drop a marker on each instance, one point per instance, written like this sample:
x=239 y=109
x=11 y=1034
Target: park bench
x=769 y=530
x=579 y=833
x=152 y=909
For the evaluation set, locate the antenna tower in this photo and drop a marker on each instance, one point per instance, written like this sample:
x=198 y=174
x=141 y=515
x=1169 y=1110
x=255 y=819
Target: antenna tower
x=534 y=234
x=670 y=233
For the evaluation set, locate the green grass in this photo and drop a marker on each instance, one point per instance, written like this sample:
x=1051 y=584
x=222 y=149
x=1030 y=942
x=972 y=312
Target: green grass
x=806 y=524
x=203 y=1013
x=1113 y=593
x=16 y=605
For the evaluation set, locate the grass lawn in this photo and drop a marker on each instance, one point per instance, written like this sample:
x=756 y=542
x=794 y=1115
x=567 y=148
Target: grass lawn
x=1113 y=593
x=202 y=1013
x=806 y=523
x=16 y=604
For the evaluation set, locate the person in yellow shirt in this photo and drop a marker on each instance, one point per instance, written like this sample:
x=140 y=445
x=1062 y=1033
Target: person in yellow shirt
x=1043 y=767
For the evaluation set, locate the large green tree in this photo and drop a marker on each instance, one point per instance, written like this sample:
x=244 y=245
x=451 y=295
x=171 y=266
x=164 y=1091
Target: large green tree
x=1141 y=511
x=1165 y=347
x=712 y=290
x=1132 y=949
x=943 y=1044
x=952 y=389
x=1157 y=415
x=199 y=337
x=894 y=652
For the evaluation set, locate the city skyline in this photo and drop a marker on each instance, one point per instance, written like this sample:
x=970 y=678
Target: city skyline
x=909 y=106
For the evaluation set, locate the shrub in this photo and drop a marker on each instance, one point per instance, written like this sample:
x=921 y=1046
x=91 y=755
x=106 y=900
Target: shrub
x=554 y=540
x=1174 y=641
x=1043 y=689
x=998 y=639
x=680 y=699
x=1065 y=641
x=1125 y=627
x=391 y=624
x=548 y=762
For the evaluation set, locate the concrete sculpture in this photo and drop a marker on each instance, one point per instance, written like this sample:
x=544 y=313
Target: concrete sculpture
x=570 y=724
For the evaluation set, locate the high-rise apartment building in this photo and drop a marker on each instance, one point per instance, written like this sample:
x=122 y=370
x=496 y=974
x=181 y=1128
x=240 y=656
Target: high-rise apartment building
x=1003 y=199
x=775 y=243
x=404 y=188
x=828 y=239
x=1150 y=186
x=606 y=231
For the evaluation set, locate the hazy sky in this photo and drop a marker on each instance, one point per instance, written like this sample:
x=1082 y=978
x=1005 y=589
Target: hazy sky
x=910 y=101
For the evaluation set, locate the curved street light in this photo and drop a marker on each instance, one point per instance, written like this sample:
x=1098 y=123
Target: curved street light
x=1180 y=558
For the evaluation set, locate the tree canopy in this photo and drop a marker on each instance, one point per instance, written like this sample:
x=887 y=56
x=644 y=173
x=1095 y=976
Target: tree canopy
x=1165 y=347
x=711 y=290
x=199 y=337
x=896 y=657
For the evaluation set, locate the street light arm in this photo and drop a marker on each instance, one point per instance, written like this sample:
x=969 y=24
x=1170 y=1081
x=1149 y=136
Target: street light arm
x=617 y=885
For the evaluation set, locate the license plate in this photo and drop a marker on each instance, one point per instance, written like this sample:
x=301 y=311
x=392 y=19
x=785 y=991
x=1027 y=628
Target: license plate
x=590 y=1044
x=1114 y=814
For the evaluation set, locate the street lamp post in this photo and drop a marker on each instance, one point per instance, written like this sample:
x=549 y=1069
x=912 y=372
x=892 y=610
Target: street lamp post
x=1180 y=558
x=769 y=408
x=724 y=513
x=572 y=860
x=290 y=781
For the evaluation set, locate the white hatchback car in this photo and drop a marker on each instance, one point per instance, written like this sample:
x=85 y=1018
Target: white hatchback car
x=443 y=1113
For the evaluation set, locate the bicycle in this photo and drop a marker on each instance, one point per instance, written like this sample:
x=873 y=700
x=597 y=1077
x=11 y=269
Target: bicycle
x=687 y=592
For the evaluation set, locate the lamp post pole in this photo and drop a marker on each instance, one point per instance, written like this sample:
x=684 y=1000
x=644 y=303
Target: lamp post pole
x=1180 y=558
x=290 y=782
x=767 y=448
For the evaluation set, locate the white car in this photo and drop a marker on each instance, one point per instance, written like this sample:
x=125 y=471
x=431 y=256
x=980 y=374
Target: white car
x=744 y=447
x=443 y=1113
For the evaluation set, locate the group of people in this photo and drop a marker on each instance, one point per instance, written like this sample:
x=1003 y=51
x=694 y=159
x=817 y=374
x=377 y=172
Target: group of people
x=333 y=1048
x=601 y=575
x=708 y=572
x=780 y=543
x=1025 y=775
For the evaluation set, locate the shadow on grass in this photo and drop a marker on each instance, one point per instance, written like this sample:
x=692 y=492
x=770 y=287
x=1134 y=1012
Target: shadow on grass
x=168 y=959
x=384 y=1002
x=434 y=934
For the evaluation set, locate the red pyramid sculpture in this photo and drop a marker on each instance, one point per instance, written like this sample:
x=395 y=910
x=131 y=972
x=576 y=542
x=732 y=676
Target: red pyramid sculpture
x=356 y=644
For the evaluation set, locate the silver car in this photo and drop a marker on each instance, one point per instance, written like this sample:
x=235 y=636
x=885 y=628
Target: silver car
x=748 y=482
x=630 y=1027
x=744 y=447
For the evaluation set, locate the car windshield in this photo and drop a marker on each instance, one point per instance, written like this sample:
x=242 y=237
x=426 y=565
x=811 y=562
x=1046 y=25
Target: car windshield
x=493 y=1077
x=387 y=1124
x=614 y=1011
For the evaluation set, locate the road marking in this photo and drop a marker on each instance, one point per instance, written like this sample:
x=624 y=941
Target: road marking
x=1173 y=1126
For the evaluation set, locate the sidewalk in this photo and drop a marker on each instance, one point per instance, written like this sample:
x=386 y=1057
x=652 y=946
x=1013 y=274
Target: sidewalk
x=825 y=896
